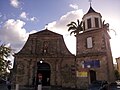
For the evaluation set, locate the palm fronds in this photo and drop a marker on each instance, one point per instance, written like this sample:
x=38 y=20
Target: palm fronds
x=75 y=28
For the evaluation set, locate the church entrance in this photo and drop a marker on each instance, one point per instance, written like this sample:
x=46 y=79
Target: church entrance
x=43 y=74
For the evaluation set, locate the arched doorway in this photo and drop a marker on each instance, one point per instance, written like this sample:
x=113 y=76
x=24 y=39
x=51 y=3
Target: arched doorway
x=92 y=75
x=43 y=72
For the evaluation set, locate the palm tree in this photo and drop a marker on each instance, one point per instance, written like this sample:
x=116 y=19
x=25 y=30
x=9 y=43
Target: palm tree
x=106 y=25
x=75 y=28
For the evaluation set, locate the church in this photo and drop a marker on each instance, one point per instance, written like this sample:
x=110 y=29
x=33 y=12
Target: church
x=45 y=57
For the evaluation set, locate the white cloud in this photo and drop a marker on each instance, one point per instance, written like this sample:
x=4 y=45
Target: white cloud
x=33 y=19
x=15 y=3
x=13 y=32
x=74 y=6
x=33 y=31
x=60 y=26
x=24 y=15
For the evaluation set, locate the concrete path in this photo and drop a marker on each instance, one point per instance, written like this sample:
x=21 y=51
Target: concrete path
x=3 y=87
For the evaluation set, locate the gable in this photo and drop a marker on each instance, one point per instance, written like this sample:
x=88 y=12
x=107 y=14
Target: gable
x=46 y=32
x=45 y=43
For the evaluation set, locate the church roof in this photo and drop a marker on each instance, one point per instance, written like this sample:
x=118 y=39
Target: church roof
x=91 y=10
x=46 y=32
x=35 y=45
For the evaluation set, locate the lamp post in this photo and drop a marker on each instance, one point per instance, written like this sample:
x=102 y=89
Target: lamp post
x=42 y=59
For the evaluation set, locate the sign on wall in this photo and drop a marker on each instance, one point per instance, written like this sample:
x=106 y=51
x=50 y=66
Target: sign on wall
x=81 y=74
x=91 y=64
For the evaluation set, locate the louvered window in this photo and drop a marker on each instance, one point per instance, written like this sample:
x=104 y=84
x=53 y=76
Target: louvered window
x=89 y=23
x=96 y=22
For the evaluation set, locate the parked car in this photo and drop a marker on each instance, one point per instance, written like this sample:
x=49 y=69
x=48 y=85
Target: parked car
x=98 y=85
x=114 y=86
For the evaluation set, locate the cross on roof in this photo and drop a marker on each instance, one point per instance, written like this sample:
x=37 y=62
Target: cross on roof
x=90 y=2
x=46 y=26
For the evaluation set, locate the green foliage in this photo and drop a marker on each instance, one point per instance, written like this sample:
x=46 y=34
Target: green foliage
x=75 y=28
x=5 y=52
x=117 y=75
x=66 y=74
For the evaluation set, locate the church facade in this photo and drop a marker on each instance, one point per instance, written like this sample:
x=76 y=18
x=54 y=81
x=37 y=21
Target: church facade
x=45 y=57
x=44 y=53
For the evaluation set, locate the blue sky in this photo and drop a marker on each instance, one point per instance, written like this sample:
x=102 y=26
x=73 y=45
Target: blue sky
x=19 y=18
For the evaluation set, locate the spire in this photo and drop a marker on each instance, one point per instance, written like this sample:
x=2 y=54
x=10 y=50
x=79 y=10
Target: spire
x=91 y=9
x=90 y=2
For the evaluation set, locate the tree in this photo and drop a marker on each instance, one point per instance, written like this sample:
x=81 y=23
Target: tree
x=75 y=28
x=106 y=25
x=117 y=74
x=5 y=52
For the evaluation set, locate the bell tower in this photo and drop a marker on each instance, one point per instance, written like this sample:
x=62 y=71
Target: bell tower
x=93 y=54
x=92 y=20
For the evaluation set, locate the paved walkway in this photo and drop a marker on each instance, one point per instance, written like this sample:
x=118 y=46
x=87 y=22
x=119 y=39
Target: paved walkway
x=4 y=87
x=49 y=88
